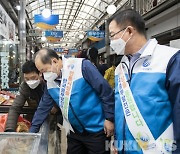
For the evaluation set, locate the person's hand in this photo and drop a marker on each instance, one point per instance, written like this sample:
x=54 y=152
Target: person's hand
x=108 y=128
x=114 y=150
x=54 y=110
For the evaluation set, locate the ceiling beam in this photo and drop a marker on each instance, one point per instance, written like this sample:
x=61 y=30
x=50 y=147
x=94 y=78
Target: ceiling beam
x=73 y=15
x=50 y=4
x=103 y=17
x=80 y=3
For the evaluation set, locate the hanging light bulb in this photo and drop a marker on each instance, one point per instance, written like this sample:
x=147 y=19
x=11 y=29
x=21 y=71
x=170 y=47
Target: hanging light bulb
x=46 y=13
x=111 y=9
x=43 y=38
x=81 y=36
x=18 y=7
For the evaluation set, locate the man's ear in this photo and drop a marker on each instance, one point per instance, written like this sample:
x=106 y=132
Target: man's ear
x=55 y=60
x=131 y=30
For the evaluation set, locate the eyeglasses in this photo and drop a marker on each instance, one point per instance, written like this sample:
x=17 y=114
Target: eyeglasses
x=111 y=36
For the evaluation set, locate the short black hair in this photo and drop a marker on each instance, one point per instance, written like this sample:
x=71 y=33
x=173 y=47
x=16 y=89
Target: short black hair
x=130 y=17
x=84 y=54
x=93 y=53
x=47 y=56
x=29 y=67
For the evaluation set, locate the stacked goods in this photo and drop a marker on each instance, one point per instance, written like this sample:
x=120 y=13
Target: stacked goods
x=3 y=119
x=23 y=125
x=6 y=98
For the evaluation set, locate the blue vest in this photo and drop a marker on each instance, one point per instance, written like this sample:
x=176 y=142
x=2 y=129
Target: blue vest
x=85 y=108
x=147 y=84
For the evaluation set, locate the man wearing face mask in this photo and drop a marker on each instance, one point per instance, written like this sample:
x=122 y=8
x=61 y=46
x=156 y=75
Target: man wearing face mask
x=147 y=91
x=30 y=90
x=85 y=98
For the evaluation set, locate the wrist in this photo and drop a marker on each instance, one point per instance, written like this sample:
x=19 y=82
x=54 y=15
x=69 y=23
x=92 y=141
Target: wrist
x=110 y=119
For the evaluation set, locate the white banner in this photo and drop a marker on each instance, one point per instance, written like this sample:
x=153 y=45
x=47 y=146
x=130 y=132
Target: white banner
x=7 y=26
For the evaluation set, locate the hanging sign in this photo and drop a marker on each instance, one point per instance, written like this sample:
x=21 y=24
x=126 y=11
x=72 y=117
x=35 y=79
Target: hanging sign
x=73 y=51
x=35 y=32
x=46 y=23
x=53 y=36
x=95 y=35
x=59 y=49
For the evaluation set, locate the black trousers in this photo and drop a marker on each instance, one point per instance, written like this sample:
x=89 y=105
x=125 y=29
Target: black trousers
x=87 y=143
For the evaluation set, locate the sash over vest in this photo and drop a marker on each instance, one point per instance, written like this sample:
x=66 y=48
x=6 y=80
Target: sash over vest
x=151 y=108
x=83 y=109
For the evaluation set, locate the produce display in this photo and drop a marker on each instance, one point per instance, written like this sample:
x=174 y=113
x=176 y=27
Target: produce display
x=6 y=98
x=23 y=125
x=13 y=142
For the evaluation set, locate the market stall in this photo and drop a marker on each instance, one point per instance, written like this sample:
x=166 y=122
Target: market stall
x=22 y=142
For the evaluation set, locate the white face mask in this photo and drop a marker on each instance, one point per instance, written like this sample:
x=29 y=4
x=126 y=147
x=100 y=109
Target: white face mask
x=33 y=83
x=50 y=76
x=119 y=45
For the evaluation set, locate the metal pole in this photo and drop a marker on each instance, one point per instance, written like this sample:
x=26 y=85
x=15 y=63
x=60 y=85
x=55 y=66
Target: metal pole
x=107 y=47
x=22 y=33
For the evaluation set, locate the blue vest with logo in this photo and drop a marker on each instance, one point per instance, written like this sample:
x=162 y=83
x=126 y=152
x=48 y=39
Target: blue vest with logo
x=85 y=107
x=147 y=83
